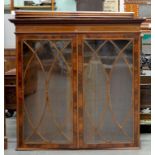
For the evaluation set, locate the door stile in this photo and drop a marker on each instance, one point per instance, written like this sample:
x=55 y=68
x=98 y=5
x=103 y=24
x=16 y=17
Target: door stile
x=75 y=93
x=19 y=92
x=136 y=87
x=80 y=93
x=21 y=144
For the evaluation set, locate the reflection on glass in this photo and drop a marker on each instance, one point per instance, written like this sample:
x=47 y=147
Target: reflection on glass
x=47 y=73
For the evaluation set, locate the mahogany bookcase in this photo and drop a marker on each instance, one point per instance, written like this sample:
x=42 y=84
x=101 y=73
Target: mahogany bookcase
x=77 y=80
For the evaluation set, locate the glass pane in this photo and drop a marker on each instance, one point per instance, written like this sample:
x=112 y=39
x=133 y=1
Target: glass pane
x=47 y=72
x=108 y=115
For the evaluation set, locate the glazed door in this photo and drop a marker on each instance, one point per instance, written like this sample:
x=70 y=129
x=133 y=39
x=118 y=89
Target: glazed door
x=107 y=110
x=78 y=91
x=49 y=105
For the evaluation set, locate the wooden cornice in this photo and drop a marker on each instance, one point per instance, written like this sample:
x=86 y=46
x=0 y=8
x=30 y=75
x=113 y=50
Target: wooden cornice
x=50 y=17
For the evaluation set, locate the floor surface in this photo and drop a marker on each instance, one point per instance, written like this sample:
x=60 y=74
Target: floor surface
x=145 y=148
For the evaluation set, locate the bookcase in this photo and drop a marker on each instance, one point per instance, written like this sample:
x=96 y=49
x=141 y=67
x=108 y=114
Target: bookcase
x=78 y=80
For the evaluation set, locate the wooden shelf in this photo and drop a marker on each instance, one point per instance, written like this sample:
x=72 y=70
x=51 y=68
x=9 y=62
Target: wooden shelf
x=33 y=7
x=145 y=122
x=50 y=6
x=145 y=106
x=137 y=2
x=145 y=117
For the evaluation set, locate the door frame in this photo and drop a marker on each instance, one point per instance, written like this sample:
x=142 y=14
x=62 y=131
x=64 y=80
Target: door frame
x=135 y=86
x=21 y=145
